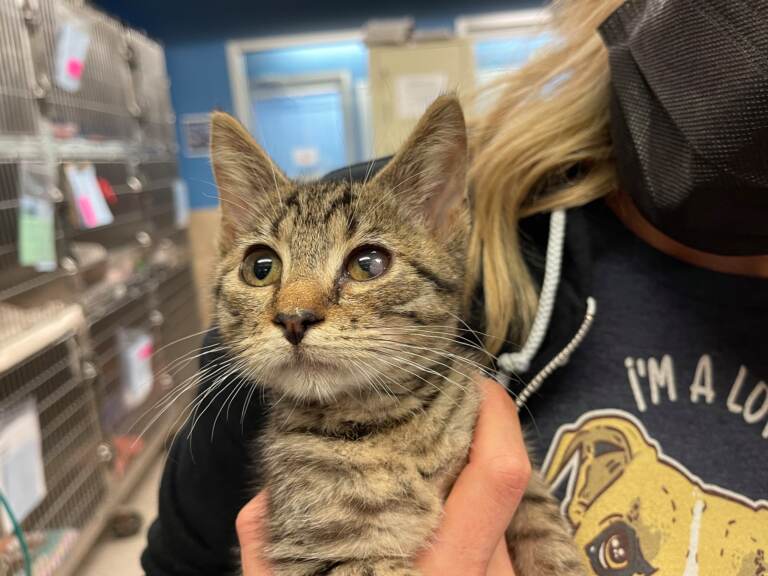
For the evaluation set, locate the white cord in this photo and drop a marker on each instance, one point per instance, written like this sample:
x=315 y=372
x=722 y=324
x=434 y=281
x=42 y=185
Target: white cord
x=562 y=357
x=520 y=361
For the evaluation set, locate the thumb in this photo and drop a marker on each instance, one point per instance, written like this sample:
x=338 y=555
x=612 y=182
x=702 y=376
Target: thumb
x=252 y=535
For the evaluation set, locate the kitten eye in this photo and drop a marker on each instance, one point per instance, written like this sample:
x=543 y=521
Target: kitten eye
x=261 y=267
x=367 y=263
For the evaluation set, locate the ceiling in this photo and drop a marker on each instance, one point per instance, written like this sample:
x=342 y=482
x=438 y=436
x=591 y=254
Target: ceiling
x=176 y=20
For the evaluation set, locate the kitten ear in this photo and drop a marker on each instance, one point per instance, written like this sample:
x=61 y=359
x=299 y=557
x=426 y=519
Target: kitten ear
x=430 y=170
x=244 y=174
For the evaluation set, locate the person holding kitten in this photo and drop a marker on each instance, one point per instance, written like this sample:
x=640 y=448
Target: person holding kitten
x=618 y=255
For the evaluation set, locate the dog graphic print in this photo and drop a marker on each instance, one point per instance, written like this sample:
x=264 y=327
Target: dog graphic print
x=637 y=512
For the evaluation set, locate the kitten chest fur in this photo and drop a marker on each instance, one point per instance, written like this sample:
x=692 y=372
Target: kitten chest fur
x=367 y=477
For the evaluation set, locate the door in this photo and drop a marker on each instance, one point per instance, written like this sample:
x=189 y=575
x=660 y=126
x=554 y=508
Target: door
x=304 y=124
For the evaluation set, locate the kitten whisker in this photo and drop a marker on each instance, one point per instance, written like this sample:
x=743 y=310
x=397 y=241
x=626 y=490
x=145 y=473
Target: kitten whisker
x=433 y=361
x=383 y=385
x=269 y=365
x=183 y=361
x=233 y=368
x=236 y=387
x=167 y=400
x=447 y=326
x=377 y=357
x=489 y=375
x=450 y=355
x=368 y=379
x=368 y=171
x=178 y=340
x=439 y=336
x=191 y=382
x=423 y=369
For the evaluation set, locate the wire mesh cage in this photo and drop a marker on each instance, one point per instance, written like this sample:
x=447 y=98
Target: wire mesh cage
x=152 y=92
x=88 y=92
x=18 y=106
x=159 y=178
x=49 y=386
x=128 y=311
x=20 y=276
x=179 y=325
x=89 y=226
x=123 y=195
x=123 y=342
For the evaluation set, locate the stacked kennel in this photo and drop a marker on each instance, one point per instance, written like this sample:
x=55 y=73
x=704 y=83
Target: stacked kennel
x=96 y=295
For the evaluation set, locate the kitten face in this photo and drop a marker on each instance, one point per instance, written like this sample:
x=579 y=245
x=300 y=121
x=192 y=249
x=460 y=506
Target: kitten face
x=339 y=288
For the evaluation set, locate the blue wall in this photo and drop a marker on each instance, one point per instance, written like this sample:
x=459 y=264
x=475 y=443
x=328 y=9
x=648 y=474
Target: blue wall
x=195 y=33
x=199 y=84
x=505 y=54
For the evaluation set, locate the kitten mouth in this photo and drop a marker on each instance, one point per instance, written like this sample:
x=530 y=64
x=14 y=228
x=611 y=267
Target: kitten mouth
x=301 y=358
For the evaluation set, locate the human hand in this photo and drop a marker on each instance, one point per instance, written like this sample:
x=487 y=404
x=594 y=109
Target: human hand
x=470 y=540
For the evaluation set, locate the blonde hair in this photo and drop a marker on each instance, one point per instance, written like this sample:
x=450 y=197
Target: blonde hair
x=550 y=117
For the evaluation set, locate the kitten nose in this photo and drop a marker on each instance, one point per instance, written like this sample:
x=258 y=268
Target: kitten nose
x=296 y=325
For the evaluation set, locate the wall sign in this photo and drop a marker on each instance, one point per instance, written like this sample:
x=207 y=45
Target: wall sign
x=196 y=133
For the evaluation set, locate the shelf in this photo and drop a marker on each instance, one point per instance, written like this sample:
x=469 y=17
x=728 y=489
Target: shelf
x=41 y=333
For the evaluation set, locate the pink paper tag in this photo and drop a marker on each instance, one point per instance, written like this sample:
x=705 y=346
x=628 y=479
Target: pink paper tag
x=86 y=212
x=145 y=352
x=75 y=67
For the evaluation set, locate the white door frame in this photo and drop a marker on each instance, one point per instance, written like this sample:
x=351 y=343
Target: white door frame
x=237 y=49
x=502 y=24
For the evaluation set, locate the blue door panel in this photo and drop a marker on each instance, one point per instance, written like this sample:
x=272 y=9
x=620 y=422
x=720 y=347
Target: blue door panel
x=285 y=125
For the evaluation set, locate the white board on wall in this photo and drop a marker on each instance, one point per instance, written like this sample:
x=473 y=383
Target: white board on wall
x=415 y=92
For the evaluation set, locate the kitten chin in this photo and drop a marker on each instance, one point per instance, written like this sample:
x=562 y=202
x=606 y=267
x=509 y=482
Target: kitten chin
x=314 y=382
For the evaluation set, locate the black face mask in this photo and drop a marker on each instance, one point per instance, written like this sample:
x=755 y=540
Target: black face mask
x=689 y=118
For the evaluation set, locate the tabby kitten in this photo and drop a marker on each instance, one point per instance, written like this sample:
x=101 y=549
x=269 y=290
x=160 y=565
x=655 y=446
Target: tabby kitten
x=343 y=300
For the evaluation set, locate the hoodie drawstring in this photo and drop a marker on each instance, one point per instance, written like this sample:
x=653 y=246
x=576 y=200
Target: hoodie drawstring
x=520 y=361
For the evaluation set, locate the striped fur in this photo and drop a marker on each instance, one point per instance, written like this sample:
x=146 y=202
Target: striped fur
x=372 y=414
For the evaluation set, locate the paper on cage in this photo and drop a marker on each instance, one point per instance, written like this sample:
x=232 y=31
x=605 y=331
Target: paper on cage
x=92 y=209
x=180 y=203
x=36 y=217
x=72 y=41
x=22 y=476
x=136 y=349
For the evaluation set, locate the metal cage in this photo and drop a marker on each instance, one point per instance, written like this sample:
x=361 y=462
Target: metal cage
x=160 y=305
x=18 y=106
x=75 y=481
x=158 y=180
x=126 y=207
x=17 y=279
x=152 y=92
x=178 y=325
x=129 y=281
x=131 y=310
x=103 y=107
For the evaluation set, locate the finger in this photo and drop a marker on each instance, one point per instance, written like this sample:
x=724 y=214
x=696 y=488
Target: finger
x=486 y=493
x=498 y=432
x=251 y=534
x=500 y=563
